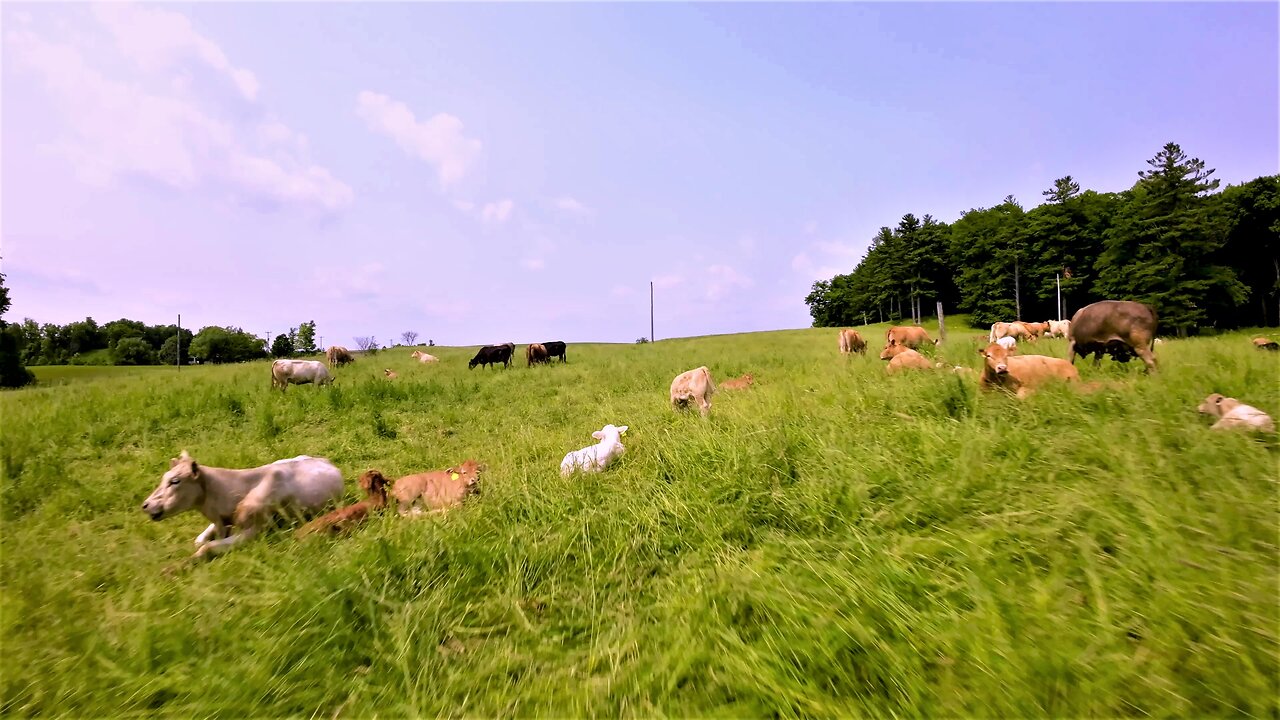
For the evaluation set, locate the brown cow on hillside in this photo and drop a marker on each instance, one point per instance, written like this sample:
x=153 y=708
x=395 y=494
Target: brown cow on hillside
x=852 y=342
x=912 y=336
x=536 y=353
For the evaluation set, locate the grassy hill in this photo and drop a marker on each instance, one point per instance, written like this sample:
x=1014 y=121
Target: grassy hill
x=831 y=542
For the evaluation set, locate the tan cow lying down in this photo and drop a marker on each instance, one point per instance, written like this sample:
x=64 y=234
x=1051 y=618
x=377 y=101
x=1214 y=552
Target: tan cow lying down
x=244 y=499
x=391 y=374
x=852 y=342
x=1265 y=344
x=912 y=336
x=1233 y=414
x=1021 y=374
x=423 y=357
x=901 y=357
x=437 y=490
x=693 y=386
x=741 y=383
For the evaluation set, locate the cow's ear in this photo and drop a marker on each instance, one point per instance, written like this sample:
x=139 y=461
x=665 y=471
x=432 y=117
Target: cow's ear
x=597 y=435
x=173 y=462
x=982 y=351
x=195 y=469
x=622 y=430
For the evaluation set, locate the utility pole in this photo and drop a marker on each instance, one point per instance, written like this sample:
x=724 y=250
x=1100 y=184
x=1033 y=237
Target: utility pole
x=178 y=360
x=651 y=336
x=1058 y=279
x=942 y=324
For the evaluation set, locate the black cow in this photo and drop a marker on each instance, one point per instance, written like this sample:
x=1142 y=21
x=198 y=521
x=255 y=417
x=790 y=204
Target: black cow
x=492 y=354
x=555 y=348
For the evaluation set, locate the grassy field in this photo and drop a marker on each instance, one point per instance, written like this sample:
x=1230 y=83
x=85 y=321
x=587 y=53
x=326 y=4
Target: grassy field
x=833 y=542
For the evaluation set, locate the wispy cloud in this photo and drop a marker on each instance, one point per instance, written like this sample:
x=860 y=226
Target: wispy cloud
x=572 y=205
x=723 y=280
x=438 y=140
x=157 y=123
x=497 y=212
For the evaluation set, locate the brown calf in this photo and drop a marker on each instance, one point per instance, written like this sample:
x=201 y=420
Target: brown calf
x=375 y=490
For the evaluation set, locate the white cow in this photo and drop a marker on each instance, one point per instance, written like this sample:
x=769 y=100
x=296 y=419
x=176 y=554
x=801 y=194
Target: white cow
x=1007 y=342
x=244 y=499
x=299 y=372
x=693 y=385
x=423 y=357
x=595 y=458
x=1059 y=328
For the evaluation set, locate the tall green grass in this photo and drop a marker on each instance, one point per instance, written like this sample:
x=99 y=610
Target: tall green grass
x=831 y=542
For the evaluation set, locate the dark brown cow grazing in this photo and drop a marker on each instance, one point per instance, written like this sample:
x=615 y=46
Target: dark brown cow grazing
x=1021 y=374
x=1120 y=328
x=913 y=336
x=338 y=355
x=536 y=353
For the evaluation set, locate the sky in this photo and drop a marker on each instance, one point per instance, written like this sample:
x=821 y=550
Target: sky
x=494 y=172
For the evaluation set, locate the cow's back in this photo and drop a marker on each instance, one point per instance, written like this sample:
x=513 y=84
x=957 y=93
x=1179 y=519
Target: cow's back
x=1105 y=320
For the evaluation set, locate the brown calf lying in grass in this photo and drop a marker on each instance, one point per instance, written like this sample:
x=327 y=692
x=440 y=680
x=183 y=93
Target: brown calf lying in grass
x=436 y=490
x=375 y=489
x=741 y=383
x=391 y=374
x=901 y=357
x=1021 y=374
x=1265 y=344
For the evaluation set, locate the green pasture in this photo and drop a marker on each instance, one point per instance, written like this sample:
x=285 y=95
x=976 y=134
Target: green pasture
x=831 y=542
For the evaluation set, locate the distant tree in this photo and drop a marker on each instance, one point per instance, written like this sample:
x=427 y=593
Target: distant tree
x=366 y=344
x=168 y=353
x=431 y=343
x=409 y=337
x=12 y=371
x=1163 y=245
x=305 y=340
x=226 y=344
x=116 y=330
x=642 y=340
x=282 y=347
x=132 y=351
x=1253 y=247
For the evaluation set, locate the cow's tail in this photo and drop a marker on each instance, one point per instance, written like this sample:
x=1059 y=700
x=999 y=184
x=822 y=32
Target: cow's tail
x=711 y=384
x=992 y=336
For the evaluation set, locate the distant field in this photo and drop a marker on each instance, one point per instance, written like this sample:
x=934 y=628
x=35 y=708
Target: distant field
x=63 y=374
x=833 y=542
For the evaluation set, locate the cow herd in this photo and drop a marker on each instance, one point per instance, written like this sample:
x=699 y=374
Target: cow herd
x=237 y=502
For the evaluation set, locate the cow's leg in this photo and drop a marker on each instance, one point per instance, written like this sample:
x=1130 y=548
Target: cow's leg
x=1148 y=358
x=1071 y=351
x=217 y=547
x=208 y=534
x=704 y=406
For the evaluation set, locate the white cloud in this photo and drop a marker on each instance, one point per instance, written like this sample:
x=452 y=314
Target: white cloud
x=438 y=140
x=158 y=39
x=131 y=126
x=665 y=282
x=723 y=279
x=572 y=205
x=533 y=263
x=497 y=212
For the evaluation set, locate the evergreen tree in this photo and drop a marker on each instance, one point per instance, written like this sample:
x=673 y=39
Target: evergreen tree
x=1163 y=243
x=12 y=371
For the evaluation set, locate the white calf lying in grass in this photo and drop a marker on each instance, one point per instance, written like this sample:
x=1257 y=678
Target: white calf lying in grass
x=1232 y=413
x=595 y=458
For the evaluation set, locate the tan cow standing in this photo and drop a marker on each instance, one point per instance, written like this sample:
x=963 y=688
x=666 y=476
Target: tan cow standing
x=338 y=355
x=913 y=336
x=1015 y=330
x=1021 y=374
x=852 y=342
x=693 y=386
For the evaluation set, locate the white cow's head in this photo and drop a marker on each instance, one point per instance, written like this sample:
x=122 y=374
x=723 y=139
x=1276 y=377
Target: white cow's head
x=609 y=432
x=180 y=489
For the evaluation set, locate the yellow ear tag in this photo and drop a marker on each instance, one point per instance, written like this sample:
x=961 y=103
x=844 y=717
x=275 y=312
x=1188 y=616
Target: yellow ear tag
x=454 y=476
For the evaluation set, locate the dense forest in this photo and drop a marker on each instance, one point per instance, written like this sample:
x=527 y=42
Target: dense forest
x=1203 y=259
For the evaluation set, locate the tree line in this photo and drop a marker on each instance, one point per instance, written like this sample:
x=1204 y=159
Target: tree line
x=1201 y=258
x=132 y=342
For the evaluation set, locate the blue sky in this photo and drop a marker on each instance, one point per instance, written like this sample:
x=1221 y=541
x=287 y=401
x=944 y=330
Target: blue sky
x=492 y=172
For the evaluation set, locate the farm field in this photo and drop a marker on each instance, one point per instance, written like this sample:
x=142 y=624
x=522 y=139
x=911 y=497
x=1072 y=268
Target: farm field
x=831 y=542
